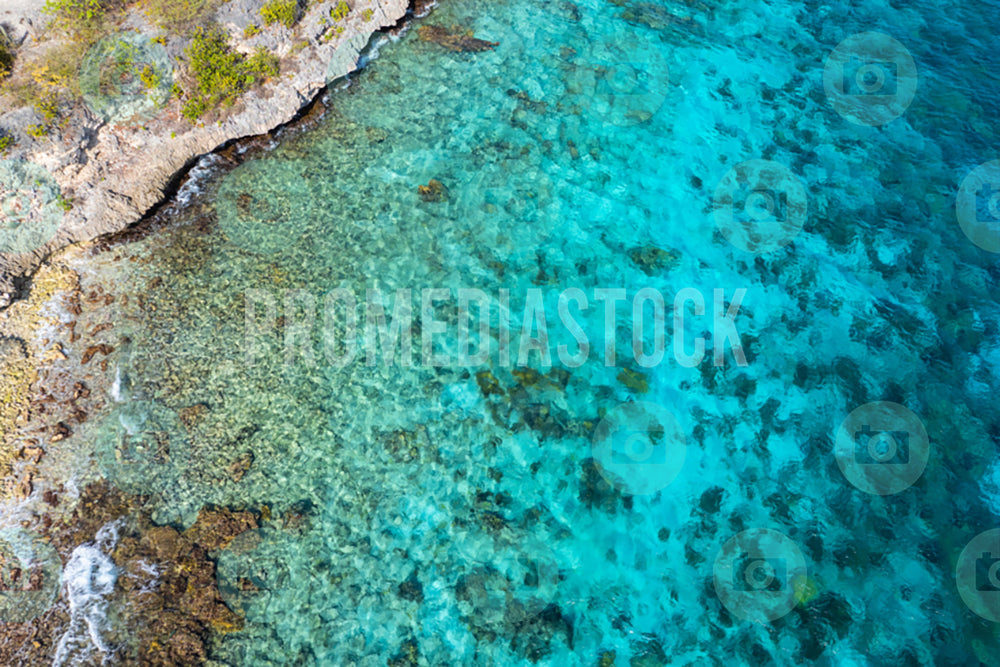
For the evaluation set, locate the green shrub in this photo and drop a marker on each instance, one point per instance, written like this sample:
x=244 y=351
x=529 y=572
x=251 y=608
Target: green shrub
x=194 y=108
x=263 y=63
x=48 y=107
x=333 y=31
x=85 y=20
x=6 y=55
x=6 y=142
x=38 y=131
x=179 y=15
x=220 y=73
x=48 y=81
x=340 y=12
x=250 y=31
x=285 y=12
x=149 y=77
x=367 y=14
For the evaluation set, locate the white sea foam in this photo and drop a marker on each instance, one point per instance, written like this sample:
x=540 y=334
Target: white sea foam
x=200 y=173
x=148 y=576
x=90 y=578
x=371 y=52
x=116 y=386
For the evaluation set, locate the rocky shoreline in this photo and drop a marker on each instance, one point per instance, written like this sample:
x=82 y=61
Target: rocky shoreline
x=58 y=361
x=111 y=175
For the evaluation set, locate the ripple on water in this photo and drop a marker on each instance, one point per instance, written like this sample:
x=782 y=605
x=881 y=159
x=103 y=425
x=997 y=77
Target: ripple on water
x=455 y=515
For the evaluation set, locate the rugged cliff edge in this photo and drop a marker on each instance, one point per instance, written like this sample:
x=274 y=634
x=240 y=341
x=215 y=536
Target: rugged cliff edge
x=110 y=174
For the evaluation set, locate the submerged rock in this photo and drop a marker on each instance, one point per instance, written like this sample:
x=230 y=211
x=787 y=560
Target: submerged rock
x=494 y=521
x=648 y=653
x=434 y=192
x=216 y=527
x=192 y=415
x=534 y=627
x=541 y=419
x=408 y=655
x=652 y=260
x=488 y=384
x=634 y=380
x=168 y=623
x=411 y=589
x=454 y=39
x=240 y=466
x=651 y=15
x=595 y=491
x=89 y=353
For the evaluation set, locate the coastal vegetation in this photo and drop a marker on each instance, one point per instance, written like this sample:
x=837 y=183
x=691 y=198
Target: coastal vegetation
x=220 y=73
x=47 y=82
x=340 y=12
x=285 y=12
x=6 y=54
x=83 y=20
x=179 y=16
x=212 y=74
x=38 y=131
x=124 y=63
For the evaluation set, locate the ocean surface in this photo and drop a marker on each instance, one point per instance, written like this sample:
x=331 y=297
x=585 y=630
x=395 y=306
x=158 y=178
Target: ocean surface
x=788 y=471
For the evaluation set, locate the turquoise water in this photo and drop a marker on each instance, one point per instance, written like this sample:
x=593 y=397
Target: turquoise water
x=487 y=514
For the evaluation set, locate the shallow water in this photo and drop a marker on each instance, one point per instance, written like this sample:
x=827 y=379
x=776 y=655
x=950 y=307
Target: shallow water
x=488 y=514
